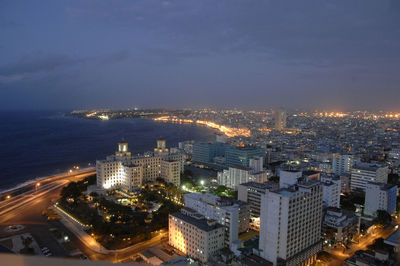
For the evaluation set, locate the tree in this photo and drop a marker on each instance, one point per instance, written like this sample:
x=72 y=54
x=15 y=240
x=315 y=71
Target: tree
x=71 y=191
x=274 y=179
x=393 y=179
x=383 y=218
x=26 y=241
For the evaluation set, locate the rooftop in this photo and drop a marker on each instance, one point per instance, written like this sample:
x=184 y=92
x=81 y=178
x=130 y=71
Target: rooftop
x=202 y=224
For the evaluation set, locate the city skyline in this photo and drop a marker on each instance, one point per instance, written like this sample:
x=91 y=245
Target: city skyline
x=340 y=55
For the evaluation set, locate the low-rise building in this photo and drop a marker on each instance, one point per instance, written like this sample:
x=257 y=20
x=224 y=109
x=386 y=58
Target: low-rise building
x=234 y=215
x=369 y=258
x=195 y=236
x=234 y=176
x=339 y=226
x=362 y=173
x=331 y=188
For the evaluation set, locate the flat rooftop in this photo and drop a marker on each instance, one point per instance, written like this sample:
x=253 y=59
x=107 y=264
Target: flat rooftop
x=202 y=224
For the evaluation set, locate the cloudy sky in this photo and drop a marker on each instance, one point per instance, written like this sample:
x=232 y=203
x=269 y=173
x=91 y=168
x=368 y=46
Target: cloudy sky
x=332 y=54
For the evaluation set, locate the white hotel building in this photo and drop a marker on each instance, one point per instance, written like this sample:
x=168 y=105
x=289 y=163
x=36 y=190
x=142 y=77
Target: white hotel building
x=128 y=172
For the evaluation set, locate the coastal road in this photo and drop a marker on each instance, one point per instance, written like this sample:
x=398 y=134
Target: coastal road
x=26 y=209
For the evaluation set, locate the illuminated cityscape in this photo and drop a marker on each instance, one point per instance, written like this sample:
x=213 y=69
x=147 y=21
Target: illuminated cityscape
x=200 y=132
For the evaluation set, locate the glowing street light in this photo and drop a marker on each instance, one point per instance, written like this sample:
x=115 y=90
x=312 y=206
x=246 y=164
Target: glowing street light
x=37 y=185
x=202 y=182
x=8 y=197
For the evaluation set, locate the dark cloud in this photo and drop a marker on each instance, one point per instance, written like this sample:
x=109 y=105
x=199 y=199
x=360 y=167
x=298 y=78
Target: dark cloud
x=206 y=52
x=38 y=63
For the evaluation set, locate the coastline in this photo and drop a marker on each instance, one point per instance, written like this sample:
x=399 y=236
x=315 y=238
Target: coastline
x=58 y=140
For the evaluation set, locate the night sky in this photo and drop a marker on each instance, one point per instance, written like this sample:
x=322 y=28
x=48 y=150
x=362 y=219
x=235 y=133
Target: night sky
x=336 y=54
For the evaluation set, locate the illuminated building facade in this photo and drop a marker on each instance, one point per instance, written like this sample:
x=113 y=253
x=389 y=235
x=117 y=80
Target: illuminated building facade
x=280 y=119
x=161 y=147
x=195 y=236
x=170 y=171
x=123 y=170
x=234 y=215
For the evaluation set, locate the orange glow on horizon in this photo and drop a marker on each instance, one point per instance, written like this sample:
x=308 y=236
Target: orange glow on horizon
x=228 y=131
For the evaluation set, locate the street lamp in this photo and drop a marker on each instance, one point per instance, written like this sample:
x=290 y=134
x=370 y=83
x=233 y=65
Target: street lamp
x=202 y=182
x=37 y=185
x=8 y=197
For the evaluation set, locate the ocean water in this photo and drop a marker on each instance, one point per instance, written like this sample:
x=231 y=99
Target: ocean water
x=42 y=143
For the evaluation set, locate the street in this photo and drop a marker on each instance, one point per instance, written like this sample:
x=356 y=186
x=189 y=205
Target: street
x=340 y=255
x=26 y=209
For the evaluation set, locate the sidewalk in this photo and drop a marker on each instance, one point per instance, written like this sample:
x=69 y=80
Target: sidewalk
x=78 y=230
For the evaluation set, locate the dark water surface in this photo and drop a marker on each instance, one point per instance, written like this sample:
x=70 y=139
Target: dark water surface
x=41 y=143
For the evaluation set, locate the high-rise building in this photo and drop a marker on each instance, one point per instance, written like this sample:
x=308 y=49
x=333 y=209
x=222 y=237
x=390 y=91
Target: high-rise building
x=280 y=119
x=362 y=173
x=234 y=215
x=341 y=164
x=252 y=192
x=203 y=152
x=291 y=220
x=195 y=236
x=379 y=196
x=240 y=156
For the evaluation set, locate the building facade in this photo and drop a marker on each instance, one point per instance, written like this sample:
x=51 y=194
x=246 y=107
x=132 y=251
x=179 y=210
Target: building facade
x=234 y=215
x=280 y=119
x=341 y=163
x=340 y=226
x=331 y=189
x=379 y=196
x=363 y=173
x=252 y=192
x=125 y=171
x=291 y=220
x=195 y=236
x=240 y=156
